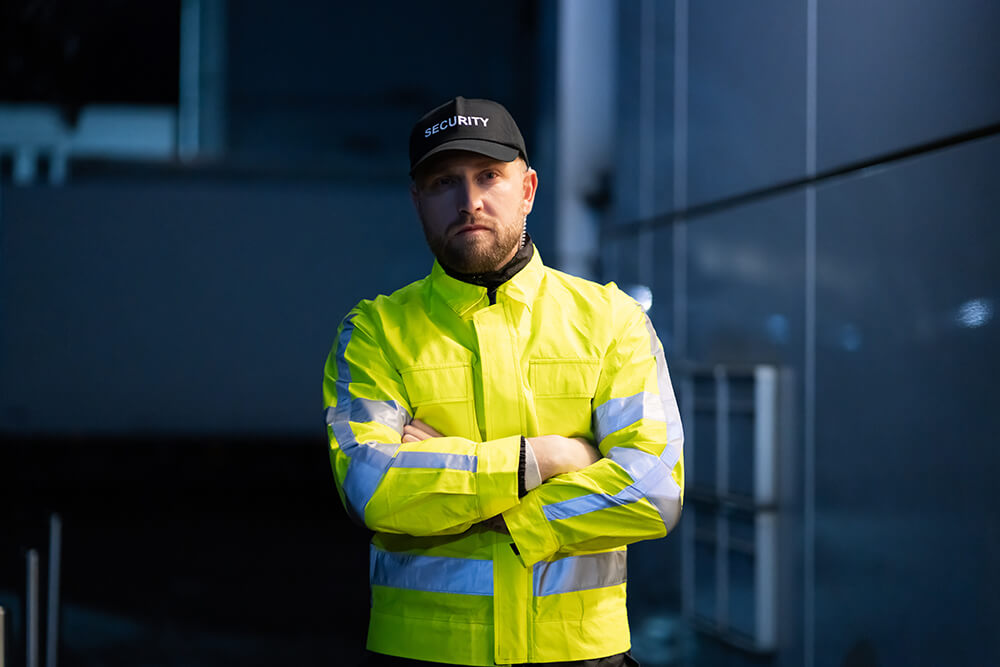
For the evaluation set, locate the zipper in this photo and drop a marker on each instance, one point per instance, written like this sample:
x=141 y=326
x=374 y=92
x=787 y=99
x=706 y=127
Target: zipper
x=491 y=292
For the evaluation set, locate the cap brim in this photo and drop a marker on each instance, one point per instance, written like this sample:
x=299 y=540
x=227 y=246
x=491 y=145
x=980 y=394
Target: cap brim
x=488 y=148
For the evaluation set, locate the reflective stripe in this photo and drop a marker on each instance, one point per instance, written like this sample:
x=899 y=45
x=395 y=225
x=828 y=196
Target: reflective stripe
x=580 y=573
x=675 y=434
x=439 y=574
x=567 y=509
x=652 y=474
x=618 y=413
x=387 y=413
x=369 y=460
x=653 y=482
x=436 y=460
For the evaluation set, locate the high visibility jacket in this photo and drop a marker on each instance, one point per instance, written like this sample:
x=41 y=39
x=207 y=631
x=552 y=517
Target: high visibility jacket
x=554 y=354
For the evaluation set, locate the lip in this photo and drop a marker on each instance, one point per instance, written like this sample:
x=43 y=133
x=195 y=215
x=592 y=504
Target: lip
x=472 y=228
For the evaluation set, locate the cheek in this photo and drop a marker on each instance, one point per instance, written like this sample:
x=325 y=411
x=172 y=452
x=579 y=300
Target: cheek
x=436 y=214
x=510 y=202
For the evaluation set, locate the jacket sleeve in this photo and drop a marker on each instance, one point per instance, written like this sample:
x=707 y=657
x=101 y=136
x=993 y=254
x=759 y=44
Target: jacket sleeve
x=635 y=492
x=435 y=487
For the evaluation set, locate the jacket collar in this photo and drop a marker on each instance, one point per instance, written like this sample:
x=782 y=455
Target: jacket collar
x=461 y=296
x=494 y=279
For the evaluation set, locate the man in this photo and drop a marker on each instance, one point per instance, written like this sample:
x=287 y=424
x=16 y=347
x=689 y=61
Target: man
x=504 y=428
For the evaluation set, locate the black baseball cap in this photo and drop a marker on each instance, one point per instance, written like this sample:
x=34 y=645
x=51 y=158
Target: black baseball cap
x=479 y=126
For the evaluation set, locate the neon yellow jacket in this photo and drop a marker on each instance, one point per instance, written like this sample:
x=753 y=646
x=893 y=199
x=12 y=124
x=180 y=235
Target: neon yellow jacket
x=555 y=355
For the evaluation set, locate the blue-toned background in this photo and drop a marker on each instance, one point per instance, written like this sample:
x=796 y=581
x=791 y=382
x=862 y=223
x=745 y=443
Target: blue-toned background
x=194 y=193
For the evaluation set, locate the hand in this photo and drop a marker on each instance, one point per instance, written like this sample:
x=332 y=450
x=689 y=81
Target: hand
x=556 y=454
x=416 y=431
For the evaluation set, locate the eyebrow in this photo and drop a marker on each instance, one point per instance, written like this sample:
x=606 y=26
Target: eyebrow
x=445 y=168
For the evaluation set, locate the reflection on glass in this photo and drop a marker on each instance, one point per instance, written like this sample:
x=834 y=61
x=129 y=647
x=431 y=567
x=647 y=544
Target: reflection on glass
x=642 y=294
x=850 y=338
x=975 y=313
x=776 y=326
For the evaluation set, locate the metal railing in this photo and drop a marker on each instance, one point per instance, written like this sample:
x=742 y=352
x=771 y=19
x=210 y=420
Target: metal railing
x=33 y=603
x=730 y=545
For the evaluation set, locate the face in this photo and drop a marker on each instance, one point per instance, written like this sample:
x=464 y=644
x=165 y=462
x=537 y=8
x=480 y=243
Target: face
x=473 y=208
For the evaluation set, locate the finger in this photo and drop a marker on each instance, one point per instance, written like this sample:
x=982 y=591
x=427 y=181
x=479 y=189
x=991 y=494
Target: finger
x=431 y=433
x=414 y=433
x=429 y=430
x=410 y=438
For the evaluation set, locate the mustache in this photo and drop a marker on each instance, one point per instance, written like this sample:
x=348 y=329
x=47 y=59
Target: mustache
x=467 y=220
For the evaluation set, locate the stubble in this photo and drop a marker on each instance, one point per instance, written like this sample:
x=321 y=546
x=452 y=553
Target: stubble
x=478 y=252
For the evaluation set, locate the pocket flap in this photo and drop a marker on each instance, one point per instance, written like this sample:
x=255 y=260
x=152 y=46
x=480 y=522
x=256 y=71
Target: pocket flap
x=564 y=378
x=427 y=385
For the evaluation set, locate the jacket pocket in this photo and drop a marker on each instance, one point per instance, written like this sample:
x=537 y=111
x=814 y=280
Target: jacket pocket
x=563 y=390
x=442 y=397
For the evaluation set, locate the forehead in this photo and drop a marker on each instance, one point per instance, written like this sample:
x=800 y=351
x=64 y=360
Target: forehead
x=457 y=160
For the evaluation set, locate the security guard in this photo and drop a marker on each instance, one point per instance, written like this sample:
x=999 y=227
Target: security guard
x=505 y=429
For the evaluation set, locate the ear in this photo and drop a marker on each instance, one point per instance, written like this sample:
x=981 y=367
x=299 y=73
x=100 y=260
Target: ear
x=530 y=187
x=415 y=197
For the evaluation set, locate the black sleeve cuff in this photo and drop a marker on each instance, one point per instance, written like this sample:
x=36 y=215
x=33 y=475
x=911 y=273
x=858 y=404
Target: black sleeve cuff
x=521 y=464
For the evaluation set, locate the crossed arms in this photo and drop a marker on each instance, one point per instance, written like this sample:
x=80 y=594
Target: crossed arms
x=554 y=454
x=399 y=475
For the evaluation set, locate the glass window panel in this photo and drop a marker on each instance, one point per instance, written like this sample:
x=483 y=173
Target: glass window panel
x=741 y=593
x=662 y=311
x=741 y=528
x=704 y=390
x=620 y=259
x=741 y=390
x=704 y=523
x=703 y=440
x=741 y=458
x=704 y=580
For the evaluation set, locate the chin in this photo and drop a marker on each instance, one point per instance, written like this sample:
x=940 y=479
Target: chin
x=471 y=266
x=472 y=259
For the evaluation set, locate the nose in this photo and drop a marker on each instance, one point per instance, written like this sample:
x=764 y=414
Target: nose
x=470 y=197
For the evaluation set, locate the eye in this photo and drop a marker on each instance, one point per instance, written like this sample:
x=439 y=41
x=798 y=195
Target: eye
x=490 y=175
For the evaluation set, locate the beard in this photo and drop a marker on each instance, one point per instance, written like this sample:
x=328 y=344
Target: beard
x=479 y=252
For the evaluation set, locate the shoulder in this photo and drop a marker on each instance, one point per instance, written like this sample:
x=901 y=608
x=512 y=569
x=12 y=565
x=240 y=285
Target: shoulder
x=388 y=306
x=607 y=297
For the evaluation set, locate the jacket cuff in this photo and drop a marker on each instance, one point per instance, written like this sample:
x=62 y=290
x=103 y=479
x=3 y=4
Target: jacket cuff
x=532 y=475
x=497 y=475
x=521 y=490
x=531 y=530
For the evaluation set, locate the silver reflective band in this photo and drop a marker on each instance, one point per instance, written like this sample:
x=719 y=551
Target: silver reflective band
x=436 y=574
x=656 y=480
x=675 y=433
x=369 y=460
x=651 y=474
x=653 y=482
x=465 y=462
x=618 y=413
x=387 y=413
x=580 y=573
